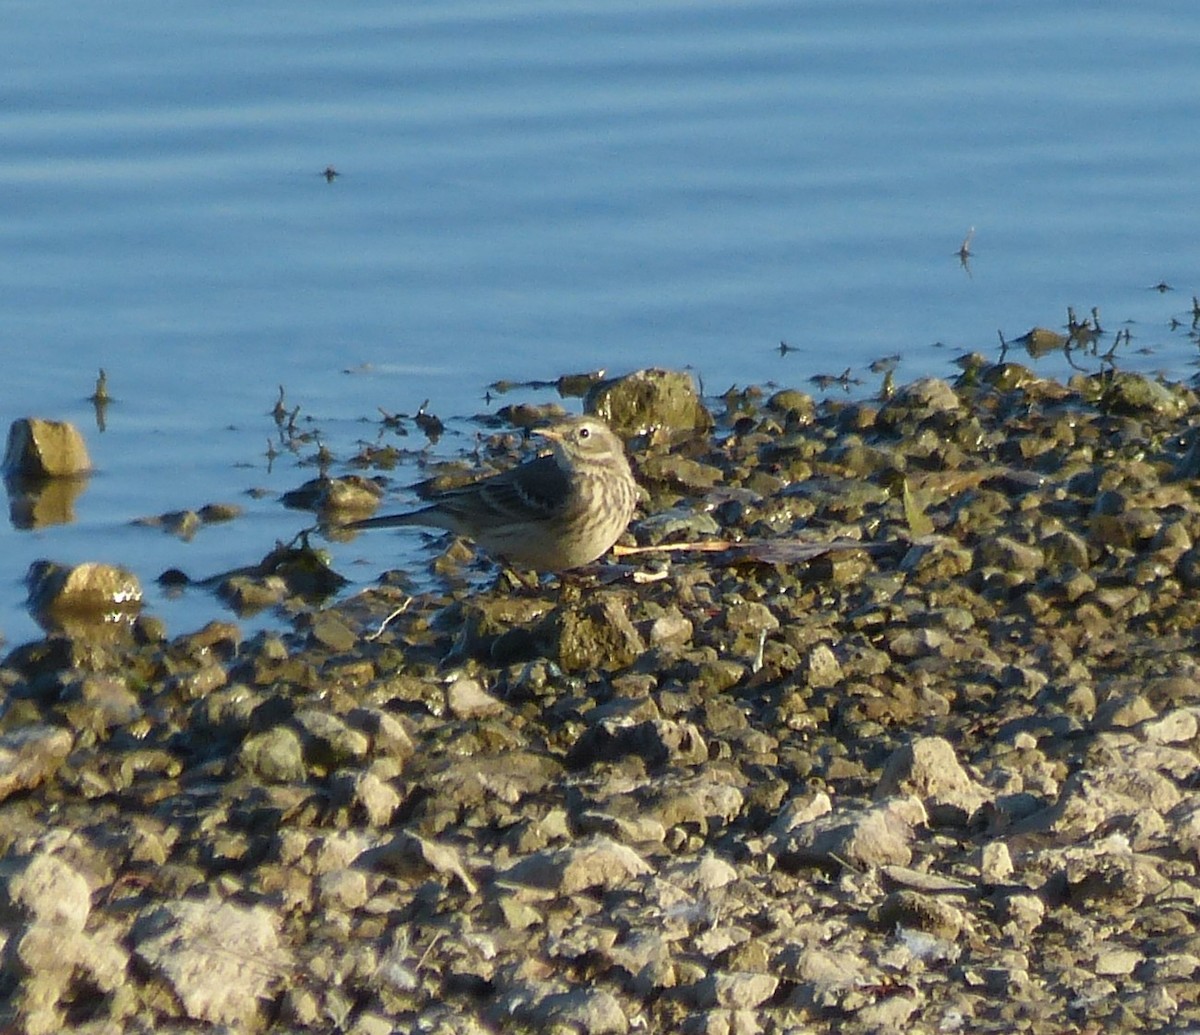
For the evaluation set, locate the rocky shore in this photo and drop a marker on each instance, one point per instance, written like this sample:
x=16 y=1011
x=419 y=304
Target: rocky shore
x=908 y=740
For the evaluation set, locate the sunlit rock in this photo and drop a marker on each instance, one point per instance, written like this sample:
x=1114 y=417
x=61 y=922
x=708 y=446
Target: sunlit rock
x=45 y=449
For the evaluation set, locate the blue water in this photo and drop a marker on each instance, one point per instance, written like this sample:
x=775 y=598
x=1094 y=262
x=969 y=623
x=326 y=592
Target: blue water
x=528 y=189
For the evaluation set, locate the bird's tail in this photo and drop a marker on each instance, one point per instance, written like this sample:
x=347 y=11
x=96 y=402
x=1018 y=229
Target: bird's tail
x=415 y=517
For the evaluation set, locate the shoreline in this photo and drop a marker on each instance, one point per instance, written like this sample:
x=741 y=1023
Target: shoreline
x=943 y=781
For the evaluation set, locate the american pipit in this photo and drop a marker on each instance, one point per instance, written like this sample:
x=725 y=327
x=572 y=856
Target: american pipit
x=558 y=511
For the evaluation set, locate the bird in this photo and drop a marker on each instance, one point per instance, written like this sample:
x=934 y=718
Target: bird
x=561 y=510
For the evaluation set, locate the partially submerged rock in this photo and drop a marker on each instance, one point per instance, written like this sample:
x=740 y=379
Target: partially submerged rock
x=186 y=523
x=39 y=448
x=83 y=593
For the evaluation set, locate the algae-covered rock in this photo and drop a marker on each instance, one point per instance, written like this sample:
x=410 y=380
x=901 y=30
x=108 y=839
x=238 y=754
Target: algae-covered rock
x=1041 y=341
x=1134 y=394
x=794 y=404
x=918 y=402
x=598 y=634
x=648 y=399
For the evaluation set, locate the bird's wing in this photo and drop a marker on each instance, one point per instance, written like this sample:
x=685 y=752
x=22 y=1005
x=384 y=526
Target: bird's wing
x=537 y=489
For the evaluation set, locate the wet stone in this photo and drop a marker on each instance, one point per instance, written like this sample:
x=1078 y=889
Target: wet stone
x=685 y=474
x=1131 y=393
x=85 y=589
x=249 y=594
x=39 y=448
x=919 y=401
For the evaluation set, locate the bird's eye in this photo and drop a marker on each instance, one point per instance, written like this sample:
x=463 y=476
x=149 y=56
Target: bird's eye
x=585 y=433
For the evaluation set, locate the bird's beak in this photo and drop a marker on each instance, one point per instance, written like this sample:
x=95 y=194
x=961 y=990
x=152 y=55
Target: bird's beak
x=553 y=434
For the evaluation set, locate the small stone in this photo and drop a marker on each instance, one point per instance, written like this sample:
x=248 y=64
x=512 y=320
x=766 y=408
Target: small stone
x=330 y=630
x=919 y=401
x=518 y=914
x=29 y=756
x=738 y=991
x=218 y=513
x=1130 y=393
x=793 y=403
x=626 y=829
x=874 y=836
x=1113 y=961
x=820 y=667
x=592 y=1010
x=249 y=594
x=706 y=874
x=671 y=629
x=409 y=854
x=329 y=742
x=1020 y=913
x=45 y=889
x=912 y=909
x=658 y=741
x=466 y=699
x=219 y=959
x=368 y=1023
x=1011 y=556
x=928 y=768
x=348 y=497
x=388 y=737
x=596 y=863
x=200 y=682
x=996 y=865
x=1176 y=727
x=343 y=889
x=597 y=634
x=275 y=755
x=375 y=797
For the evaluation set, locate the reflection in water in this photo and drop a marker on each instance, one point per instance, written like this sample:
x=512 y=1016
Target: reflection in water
x=46 y=464
x=41 y=502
